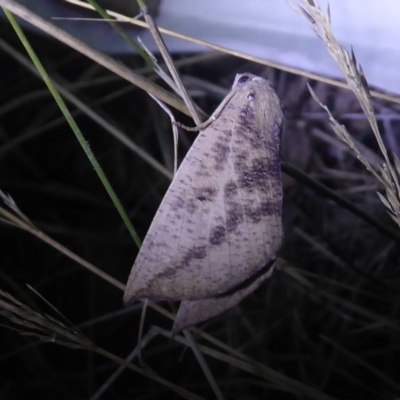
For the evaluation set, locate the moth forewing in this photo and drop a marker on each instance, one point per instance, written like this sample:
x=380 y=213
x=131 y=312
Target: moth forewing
x=220 y=220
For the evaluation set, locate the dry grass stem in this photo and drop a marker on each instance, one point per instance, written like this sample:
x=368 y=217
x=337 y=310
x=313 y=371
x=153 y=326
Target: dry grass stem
x=388 y=174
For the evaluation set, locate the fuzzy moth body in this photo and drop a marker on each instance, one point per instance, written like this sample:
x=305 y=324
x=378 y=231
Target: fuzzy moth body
x=218 y=229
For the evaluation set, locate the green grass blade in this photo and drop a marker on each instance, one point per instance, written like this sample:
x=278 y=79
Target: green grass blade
x=81 y=139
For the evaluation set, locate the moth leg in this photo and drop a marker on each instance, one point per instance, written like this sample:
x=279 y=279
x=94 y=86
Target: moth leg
x=210 y=120
x=195 y=128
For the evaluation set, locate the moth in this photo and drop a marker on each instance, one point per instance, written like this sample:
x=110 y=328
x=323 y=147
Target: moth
x=216 y=234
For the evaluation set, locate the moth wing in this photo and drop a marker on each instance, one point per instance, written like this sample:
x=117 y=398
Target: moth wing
x=220 y=220
x=192 y=312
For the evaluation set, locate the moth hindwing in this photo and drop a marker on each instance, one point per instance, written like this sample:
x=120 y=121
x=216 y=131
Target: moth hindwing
x=220 y=222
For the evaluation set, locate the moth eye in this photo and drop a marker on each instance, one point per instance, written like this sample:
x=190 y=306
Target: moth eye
x=251 y=96
x=243 y=79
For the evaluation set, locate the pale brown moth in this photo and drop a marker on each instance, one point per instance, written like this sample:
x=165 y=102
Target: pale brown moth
x=216 y=234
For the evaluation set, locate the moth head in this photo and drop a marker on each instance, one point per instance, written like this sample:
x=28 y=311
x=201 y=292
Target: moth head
x=259 y=93
x=242 y=79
